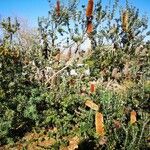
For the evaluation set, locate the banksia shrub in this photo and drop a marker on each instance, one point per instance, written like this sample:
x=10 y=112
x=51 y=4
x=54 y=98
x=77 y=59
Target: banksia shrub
x=68 y=56
x=42 y=93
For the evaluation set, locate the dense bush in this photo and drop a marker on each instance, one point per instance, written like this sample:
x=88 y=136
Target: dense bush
x=52 y=104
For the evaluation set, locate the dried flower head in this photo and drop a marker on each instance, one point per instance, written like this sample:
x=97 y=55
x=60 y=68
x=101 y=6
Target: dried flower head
x=92 y=105
x=73 y=143
x=99 y=123
x=103 y=140
x=125 y=19
x=117 y=124
x=89 y=9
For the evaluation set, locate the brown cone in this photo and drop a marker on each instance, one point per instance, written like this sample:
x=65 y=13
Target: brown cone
x=89 y=9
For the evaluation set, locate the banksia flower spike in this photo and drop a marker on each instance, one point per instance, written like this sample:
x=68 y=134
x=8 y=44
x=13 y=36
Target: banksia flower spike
x=89 y=9
x=125 y=19
x=92 y=87
x=133 y=117
x=58 y=8
x=99 y=124
x=89 y=27
x=89 y=12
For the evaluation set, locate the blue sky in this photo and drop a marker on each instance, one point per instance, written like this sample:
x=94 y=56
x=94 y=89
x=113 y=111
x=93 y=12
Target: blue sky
x=31 y=9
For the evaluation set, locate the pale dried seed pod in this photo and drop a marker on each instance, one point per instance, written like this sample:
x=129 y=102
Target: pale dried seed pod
x=114 y=72
x=144 y=52
x=68 y=56
x=126 y=69
x=118 y=76
x=57 y=57
x=138 y=50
